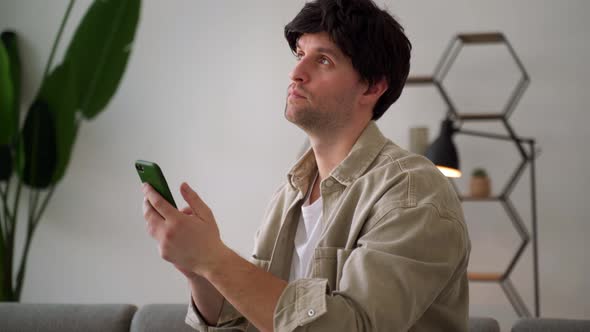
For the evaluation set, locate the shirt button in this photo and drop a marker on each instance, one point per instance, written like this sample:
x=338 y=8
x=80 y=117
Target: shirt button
x=329 y=183
x=311 y=312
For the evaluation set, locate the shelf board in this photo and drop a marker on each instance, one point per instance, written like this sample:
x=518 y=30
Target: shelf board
x=479 y=199
x=481 y=38
x=484 y=276
x=420 y=80
x=481 y=116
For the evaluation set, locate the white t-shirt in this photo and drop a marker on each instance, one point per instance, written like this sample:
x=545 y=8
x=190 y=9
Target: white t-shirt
x=306 y=238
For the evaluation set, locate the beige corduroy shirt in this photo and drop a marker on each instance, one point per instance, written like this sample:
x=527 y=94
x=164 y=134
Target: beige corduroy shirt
x=392 y=255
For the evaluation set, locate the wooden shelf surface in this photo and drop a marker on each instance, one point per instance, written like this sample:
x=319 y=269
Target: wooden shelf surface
x=420 y=80
x=484 y=276
x=479 y=199
x=481 y=38
x=480 y=116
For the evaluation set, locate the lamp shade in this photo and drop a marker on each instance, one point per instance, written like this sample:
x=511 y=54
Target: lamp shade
x=442 y=151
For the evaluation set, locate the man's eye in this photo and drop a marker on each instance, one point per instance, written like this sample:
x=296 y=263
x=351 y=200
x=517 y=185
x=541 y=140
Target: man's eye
x=298 y=56
x=324 y=61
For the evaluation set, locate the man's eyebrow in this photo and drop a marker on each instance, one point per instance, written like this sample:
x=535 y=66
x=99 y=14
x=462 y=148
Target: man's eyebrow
x=327 y=50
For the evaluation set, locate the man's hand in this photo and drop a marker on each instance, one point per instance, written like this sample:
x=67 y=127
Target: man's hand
x=189 y=238
x=187 y=273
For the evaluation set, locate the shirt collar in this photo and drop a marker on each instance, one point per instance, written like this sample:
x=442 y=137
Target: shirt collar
x=363 y=153
x=300 y=175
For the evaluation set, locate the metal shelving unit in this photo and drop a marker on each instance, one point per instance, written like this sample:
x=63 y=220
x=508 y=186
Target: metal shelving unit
x=526 y=151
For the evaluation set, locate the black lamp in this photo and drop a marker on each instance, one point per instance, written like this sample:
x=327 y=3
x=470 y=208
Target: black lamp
x=442 y=151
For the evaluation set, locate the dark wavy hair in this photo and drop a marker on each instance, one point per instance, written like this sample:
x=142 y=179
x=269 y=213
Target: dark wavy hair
x=368 y=35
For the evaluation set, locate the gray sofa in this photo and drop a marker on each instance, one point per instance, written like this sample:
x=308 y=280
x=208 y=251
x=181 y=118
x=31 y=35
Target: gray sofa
x=551 y=325
x=28 y=317
x=65 y=317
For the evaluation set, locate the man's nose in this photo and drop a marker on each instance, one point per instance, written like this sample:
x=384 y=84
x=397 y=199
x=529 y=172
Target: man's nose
x=300 y=73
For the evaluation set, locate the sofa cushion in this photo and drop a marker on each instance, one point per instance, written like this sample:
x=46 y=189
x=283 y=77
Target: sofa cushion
x=483 y=324
x=29 y=317
x=551 y=325
x=161 y=317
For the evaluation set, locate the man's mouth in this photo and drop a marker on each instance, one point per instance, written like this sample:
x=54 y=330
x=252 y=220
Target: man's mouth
x=294 y=93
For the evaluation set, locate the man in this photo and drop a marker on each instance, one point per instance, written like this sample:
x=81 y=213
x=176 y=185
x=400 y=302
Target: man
x=363 y=236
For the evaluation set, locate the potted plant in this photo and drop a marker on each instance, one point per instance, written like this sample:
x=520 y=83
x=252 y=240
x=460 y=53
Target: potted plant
x=479 y=184
x=34 y=157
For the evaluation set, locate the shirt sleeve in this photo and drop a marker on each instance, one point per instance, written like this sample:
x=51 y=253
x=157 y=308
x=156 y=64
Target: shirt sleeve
x=401 y=265
x=229 y=319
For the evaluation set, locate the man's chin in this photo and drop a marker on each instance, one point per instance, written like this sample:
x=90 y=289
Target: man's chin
x=301 y=116
x=291 y=113
x=302 y=122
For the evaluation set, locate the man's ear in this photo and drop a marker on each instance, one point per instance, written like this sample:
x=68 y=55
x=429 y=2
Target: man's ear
x=375 y=90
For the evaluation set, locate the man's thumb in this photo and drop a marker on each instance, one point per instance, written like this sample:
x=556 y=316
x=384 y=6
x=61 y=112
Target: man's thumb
x=191 y=197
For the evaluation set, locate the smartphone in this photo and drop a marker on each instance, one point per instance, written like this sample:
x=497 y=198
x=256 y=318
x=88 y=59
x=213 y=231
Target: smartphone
x=151 y=173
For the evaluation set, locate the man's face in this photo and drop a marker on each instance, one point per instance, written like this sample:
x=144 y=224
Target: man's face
x=324 y=88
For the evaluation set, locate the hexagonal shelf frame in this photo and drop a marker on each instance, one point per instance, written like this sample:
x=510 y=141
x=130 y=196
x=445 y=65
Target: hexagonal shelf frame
x=448 y=59
x=528 y=158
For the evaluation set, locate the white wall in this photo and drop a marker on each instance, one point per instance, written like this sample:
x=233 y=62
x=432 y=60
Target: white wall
x=204 y=97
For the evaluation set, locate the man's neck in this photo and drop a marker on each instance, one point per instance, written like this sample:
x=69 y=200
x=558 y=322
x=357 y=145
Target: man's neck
x=331 y=148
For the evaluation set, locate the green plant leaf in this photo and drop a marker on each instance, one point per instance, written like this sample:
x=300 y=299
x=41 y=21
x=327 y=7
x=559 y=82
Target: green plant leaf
x=9 y=40
x=9 y=102
x=7 y=116
x=479 y=172
x=99 y=51
x=5 y=162
x=37 y=146
x=60 y=92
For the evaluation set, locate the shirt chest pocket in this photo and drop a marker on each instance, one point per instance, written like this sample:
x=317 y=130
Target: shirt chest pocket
x=328 y=263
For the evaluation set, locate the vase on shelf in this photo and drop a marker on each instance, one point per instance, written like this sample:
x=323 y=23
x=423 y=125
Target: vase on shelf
x=480 y=184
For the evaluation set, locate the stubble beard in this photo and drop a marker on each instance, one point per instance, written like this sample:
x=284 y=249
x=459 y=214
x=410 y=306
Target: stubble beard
x=314 y=119
x=305 y=117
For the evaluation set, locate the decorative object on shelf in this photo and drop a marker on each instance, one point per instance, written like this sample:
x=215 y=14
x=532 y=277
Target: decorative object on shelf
x=453 y=124
x=479 y=184
x=443 y=153
x=37 y=155
x=419 y=140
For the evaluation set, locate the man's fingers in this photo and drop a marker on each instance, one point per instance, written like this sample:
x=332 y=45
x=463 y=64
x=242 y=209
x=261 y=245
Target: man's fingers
x=193 y=199
x=154 y=220
x=187 y=210
x=149 y=212
x=158 y=202
x=145 y=206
